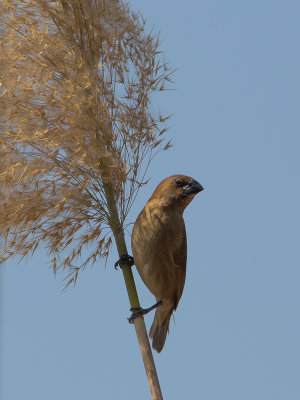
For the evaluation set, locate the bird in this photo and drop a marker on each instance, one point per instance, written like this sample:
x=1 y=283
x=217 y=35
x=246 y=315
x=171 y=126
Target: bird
x=159 y=247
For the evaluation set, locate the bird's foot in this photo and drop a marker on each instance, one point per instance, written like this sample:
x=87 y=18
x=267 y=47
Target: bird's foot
x=138 y=311
x=125 y=259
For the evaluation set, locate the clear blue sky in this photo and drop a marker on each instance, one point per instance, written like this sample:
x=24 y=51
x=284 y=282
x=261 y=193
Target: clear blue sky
x=236 y=129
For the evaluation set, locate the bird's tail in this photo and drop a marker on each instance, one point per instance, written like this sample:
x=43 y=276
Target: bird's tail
x=160 y=327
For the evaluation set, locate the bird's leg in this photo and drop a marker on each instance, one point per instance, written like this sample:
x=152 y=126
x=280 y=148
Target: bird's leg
x=125 y=259
x=138 y=311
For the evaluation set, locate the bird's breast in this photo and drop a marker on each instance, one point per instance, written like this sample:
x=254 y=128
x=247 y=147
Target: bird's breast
x=156 y=237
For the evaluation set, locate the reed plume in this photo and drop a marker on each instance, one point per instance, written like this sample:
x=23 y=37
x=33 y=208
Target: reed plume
x=77 y=127
x=76 y=117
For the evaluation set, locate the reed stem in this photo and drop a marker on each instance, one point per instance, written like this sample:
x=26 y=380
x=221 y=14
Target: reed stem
x=139 y=323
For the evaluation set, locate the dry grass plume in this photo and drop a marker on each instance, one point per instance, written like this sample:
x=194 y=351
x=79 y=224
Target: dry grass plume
x=76 y=124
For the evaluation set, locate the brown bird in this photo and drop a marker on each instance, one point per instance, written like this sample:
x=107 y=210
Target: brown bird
x=160 y=250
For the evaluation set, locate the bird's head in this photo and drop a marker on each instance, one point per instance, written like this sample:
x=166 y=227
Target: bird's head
x=177 y=191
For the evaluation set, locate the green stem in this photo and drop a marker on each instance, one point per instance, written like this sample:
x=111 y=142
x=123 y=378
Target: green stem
x=127 y=272
x=139 y=322
x=121 y=245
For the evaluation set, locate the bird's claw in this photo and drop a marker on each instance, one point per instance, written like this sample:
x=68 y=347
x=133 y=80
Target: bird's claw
x=125 y=259
x=139 y=311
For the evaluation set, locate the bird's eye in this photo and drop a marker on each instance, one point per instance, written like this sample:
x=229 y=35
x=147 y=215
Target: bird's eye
x=179 y=182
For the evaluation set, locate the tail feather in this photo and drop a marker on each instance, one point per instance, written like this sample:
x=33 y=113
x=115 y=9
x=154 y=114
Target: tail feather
x=159 y=329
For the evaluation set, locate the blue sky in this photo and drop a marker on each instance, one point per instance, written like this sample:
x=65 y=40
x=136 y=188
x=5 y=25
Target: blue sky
x=236 y=130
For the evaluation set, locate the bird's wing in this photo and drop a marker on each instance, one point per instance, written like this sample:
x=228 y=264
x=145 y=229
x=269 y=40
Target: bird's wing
x=180 y=258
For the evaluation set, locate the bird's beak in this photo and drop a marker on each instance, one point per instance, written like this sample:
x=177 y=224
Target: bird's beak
x=192 y=187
